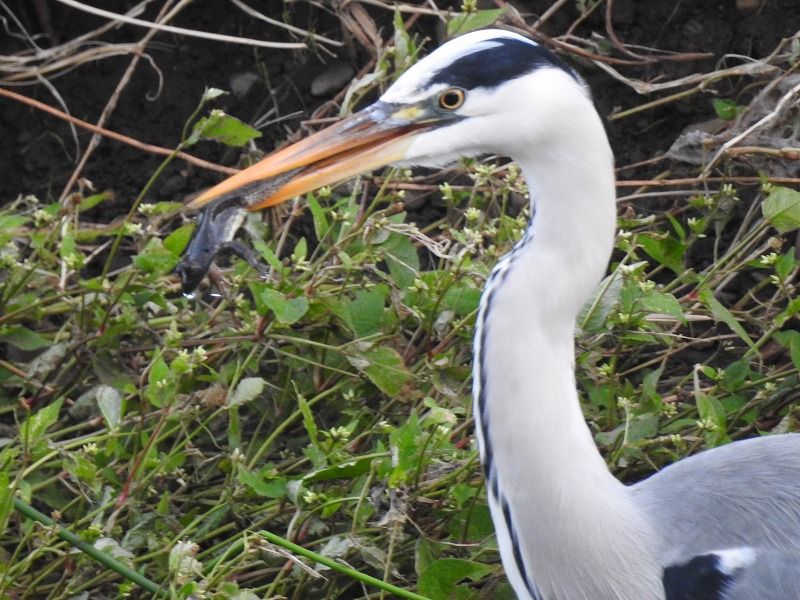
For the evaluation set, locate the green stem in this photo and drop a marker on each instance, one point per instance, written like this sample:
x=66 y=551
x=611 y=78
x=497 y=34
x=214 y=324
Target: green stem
x=332 y=564
x=104 y=559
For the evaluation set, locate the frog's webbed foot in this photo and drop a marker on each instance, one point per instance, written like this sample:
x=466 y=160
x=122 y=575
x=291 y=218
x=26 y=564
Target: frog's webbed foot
x=246 y=253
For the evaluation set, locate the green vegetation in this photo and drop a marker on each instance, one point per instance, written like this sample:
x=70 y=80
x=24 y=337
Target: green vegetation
x=329 y=403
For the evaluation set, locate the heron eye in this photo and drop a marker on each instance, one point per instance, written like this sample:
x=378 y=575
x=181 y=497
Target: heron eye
x=451 y=99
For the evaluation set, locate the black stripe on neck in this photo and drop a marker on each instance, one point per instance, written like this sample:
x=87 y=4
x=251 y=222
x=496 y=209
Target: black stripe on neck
x=493 y=283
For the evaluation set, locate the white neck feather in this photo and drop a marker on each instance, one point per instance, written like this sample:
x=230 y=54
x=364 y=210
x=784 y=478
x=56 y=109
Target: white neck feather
x=577 y=531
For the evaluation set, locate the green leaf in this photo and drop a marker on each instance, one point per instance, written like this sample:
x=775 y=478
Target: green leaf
x=663 y=303
x=268 y=255
x=782 y=209
x=234 y=427
x=721 y=313
x=426 y=552
x=94 y=200
x=725 y=108
x=666 y=250
x=461 y=23
x=34 y=427
x=160 y=383
x=318 y=215
x=787 y=313
x=261 y=483
x=223 y=128
x=790 y=340
x=785 y=265
x=247 y=390
x=366 y=311
x=177 y=241
x=401 y=258
x=300 y=251
x=593 y=314
x=346 y=470
x=308 y=418
x=25 y=339
x=109 y=400
x=287 y=310
x=12 y=222
x=154 y=258
x=385 y=368
x=735 y=375
x=440 y=580
x=406 y=442
x=68 y=250
x=709 y=408
x=642 y=427
x=6 y=502
x=402 y=40
x=462 y=299
x=462 y=493
x=83 y=469
x=165 y=207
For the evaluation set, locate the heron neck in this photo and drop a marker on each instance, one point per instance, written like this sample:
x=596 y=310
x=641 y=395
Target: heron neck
x=546 y=479
x=525 y=343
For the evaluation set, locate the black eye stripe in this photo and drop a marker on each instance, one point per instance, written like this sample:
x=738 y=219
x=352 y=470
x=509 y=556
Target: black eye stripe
x=509 y=59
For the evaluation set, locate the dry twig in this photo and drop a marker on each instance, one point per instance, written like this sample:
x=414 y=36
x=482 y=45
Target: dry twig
x=199 y=162
x=182 y=31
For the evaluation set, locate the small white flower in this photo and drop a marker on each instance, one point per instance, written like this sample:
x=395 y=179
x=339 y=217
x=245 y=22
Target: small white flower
x=42 y=217
x=132 y=229
x=472 y=214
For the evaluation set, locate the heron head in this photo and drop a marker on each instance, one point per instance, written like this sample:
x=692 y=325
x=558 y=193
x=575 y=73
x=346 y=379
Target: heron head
x=488 y=91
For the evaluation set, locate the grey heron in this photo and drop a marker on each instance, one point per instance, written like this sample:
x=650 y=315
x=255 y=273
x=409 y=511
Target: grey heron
x=719 y=524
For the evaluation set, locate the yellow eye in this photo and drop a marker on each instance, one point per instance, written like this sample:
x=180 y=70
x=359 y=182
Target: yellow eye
x=451 y=98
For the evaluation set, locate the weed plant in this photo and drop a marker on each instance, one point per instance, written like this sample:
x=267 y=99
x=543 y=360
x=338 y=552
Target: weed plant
x=329 y=403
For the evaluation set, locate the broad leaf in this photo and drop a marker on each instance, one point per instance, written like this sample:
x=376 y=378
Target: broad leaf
x=440 y=580
x=25 y=339
x=154 y=258
x=223 y=128
x=286 y=310
x=782 y=209
x=710 y=409
x=177 y=241
x=6 y=501
x=402 y=259
x=35 y=426
x=668 y=251
x=721 y=313
x=791 y=340
x=261 y=483
x=385 y=368
x=725 y=108
x=660 y=302
x=346 y=470
x=461 y=23
x=366 y=311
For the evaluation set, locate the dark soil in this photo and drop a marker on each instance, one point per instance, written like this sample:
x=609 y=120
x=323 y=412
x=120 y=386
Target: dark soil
x=39 y=151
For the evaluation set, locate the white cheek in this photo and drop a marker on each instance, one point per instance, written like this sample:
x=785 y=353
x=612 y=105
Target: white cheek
x=524 y=117
x=444 y=145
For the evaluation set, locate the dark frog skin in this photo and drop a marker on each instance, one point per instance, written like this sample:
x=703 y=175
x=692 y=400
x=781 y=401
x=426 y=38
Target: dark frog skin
x=217 y=224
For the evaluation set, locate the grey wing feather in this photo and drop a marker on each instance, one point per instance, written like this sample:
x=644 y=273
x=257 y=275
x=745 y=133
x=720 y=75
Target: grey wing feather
x=771 y=577
x=734 y=574
x=745 y=494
